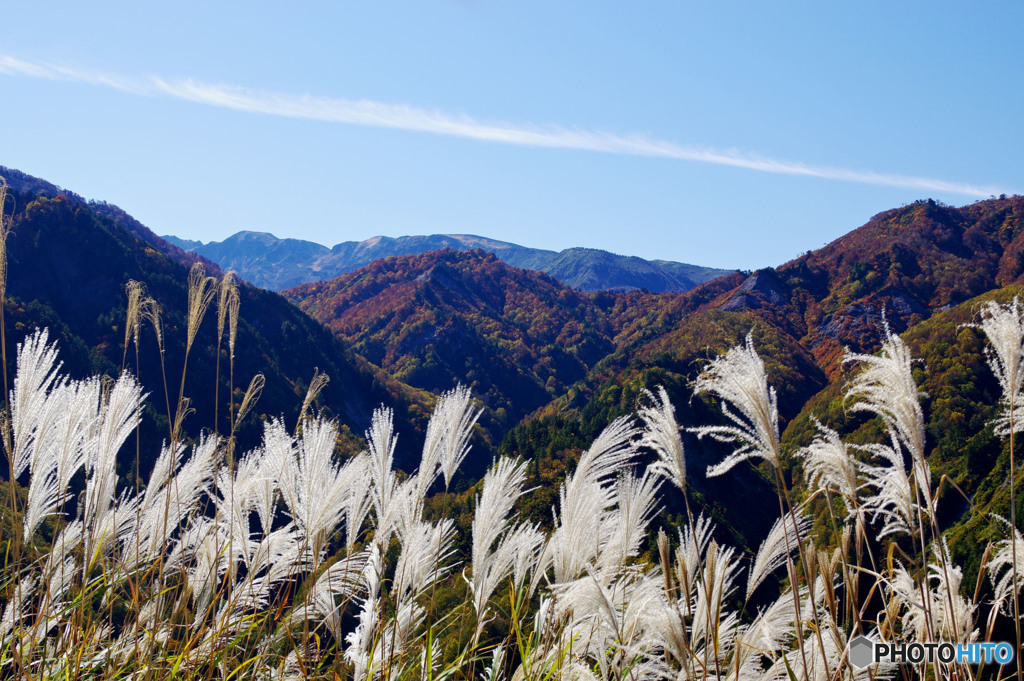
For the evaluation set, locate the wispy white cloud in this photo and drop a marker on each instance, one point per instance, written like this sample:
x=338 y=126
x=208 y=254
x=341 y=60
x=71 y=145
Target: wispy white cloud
x=403 y=117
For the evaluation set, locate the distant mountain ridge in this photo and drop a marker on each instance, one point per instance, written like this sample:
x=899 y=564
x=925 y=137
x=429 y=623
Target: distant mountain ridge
x=279 y=264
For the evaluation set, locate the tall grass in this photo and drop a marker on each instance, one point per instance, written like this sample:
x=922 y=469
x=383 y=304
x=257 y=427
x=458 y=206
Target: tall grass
x=290 y=561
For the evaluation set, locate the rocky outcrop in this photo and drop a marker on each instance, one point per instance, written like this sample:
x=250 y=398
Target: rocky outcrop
x=762 y=287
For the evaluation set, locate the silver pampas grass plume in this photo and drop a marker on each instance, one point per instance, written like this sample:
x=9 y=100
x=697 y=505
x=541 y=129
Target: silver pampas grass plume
x=886 y=387
x=1003 y=325
x=661 y=434
x=738 y=378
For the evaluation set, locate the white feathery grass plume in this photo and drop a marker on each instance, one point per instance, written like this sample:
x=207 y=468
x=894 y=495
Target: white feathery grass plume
x=168 y=505
x=381 y=440
x=59 y=579
x=360 y=643
x=611 y=616
x=894 y=502
x=434 y=443
x=1003 y=325
x=232 y=497
x=956 y=614
x=949 y=617
x=118 y=417
x=495 y=670
x=322 y=483
x=713 y=627
x=117 y=529
x=886 y=387
x=243 y=490
x=60 y=450
x=63 y=553
x=207 y=543
x=402 y=515
x=151 y=310
x=16 y=610
x=265 y=491
x=152 y=503
x=693 y=543
x=636 y=504
x=829 y=464
x=276 y=471
x=767 y=634
x=315 y=487
x=234 y=304
x=739 y=380
x=136 y=292
x=194 y=477
x=529 y=541
x=772 y=554
x=276 y=556
x=1001 y=567
x=163 y=469
x=582 y=527
x=606 y=456
x=316 y=386
x=399 y=633
x=37 y=374
x=426 y=548
x=358 y=500
x=458 y=417
x=249 y=400
x=661 y=434
x=228 y=289
x=904 y=595
x=573 y=669
x=667 y=624
x=342 y=580
x=503 y=485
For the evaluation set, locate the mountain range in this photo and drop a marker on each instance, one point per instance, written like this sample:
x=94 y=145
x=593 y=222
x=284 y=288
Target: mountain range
x=552 y=364
x=560 y=364
x=278 y=264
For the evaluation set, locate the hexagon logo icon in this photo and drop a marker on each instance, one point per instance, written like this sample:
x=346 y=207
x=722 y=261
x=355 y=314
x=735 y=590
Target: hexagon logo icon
x=861 y=652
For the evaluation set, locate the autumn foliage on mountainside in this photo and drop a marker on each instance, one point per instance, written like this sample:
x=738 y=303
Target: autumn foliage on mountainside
x=564 y=363
x=431 y=320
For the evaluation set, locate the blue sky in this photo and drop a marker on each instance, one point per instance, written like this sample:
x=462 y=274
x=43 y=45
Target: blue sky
x=726 y=134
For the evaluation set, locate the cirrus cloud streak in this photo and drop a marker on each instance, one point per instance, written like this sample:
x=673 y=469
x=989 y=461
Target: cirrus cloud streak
x=403 y=117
